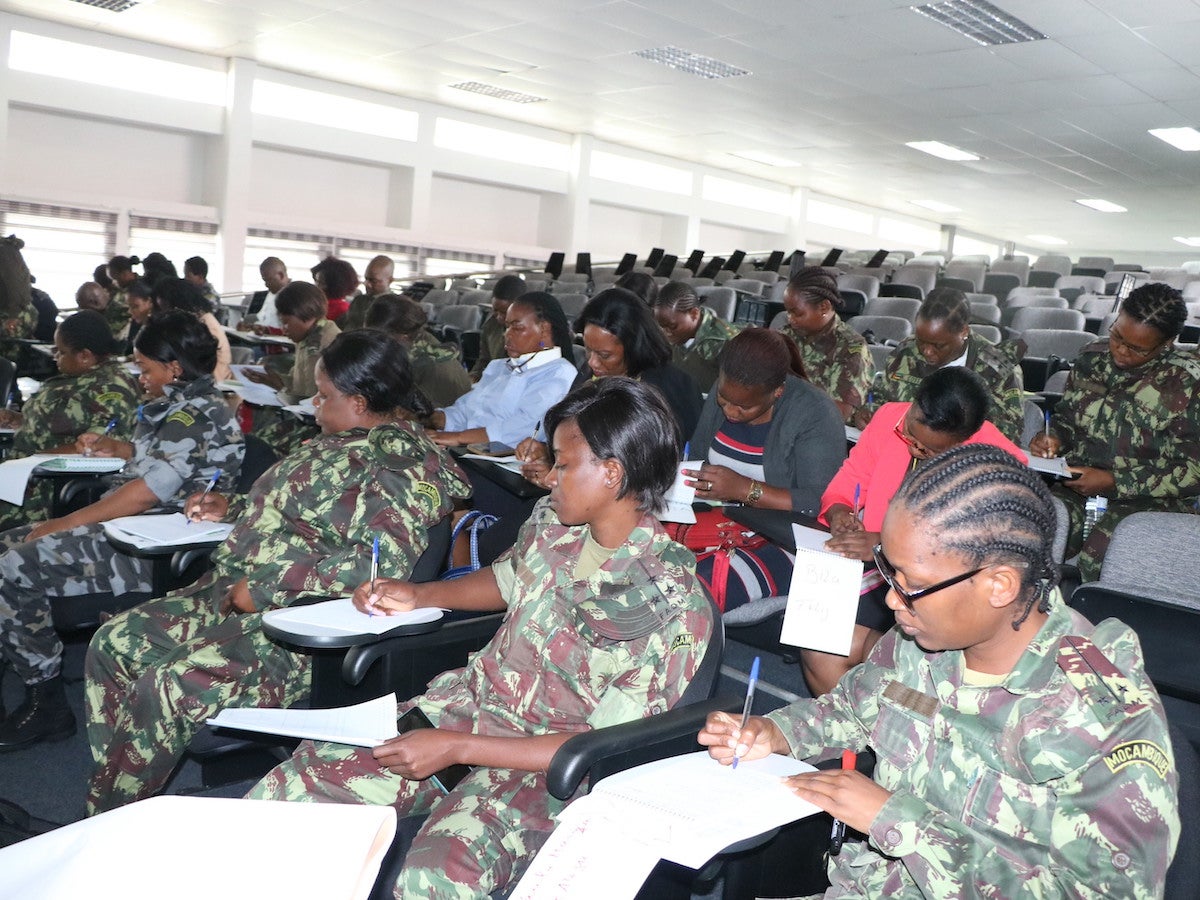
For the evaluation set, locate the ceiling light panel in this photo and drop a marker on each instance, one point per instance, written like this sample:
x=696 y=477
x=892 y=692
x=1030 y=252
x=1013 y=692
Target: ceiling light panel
x=942 y=151
x=1181 y=138
x=691 y=63
x=490 y=90
x=980 y=21
x=1046 y=239
x=1105 y=206
x=936 y=206
x=110 y=5
x=1189 y=241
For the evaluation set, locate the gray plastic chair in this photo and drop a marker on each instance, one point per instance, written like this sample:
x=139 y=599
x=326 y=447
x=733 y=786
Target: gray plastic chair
x=868 y=284
x=721 y=300
x=901 y=307
x=967 y=269
x=1034 y=317
x=572 y=304
x=1060 y=342
x=1071 y=286
x=989 y=333
x=883 y=328
x=986 y=312
x=464 y=318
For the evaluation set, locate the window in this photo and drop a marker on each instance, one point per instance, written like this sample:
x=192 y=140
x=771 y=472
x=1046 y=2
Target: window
x=176 y=239
x=639 y=173
x=495 y=143
x=746 y=196
x=968 y=246
x=63 y=245
x=910 y=234
x=822 y=213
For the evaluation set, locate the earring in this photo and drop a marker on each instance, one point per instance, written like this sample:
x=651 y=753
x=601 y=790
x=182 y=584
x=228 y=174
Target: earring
x=541 y=345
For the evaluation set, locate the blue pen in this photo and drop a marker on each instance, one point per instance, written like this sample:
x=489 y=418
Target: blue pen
x=374 y=566
x=857 y=497
x=750 y=686
x=1047 y=424
x=111 y=425
x=208 y=487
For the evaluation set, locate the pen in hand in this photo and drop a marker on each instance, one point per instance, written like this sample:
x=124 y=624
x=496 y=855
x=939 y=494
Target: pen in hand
x=374 y=567
x=750 y=686
x=857 y=498
x=112 y=424
x=212 y=483
x=838 y=835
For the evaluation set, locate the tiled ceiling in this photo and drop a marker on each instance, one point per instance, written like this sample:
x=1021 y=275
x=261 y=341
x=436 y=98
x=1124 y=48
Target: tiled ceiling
x=838 y=87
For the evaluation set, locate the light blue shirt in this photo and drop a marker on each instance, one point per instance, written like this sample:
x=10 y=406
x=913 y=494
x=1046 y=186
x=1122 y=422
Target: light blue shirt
x=510 y=405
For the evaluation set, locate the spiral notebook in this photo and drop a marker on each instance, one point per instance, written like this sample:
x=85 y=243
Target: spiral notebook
x=823 y=596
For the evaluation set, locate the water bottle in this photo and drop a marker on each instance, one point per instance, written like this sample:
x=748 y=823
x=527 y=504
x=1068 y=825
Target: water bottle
x=1092 y=511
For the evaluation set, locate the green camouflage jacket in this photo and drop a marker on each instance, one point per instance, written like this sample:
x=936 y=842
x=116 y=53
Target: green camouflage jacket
x=116 y=314
x=1058 y=782
x=491 y=345
x=617 y=646
x=837 y=361
x=68 y=405
x=437 y=370
x=307 y=526
x=356 y=315
x=1143 y=423
x=302 y=383
x=180 y=441
x=699 y=357
x=996 y=364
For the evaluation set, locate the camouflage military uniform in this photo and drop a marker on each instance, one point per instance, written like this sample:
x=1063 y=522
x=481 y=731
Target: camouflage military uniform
x=64 y=408
x=1143 y=425
x=283 y=430
x=156 y=672
x=437 y=370
x=491 y=345
x=838 y=361
x=563 y=661
x=1059 y=781
x=699 y=357
x=996 y=364
x=179 y=443
x=116 y=314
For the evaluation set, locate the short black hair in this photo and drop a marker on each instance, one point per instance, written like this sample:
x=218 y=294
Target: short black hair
x=509 y=288
x=630 y=422
x=196 y=265
x=982 y=502
x=641 y=285
x=123 y=263
x=339 y=276
x=623 y=314
x=760 y=357
x=139 y=288
x=1158 y=305
x=178 y=336
x=394 y=314
x=953 y=400
x=87 y=330
x=546 y=308
x=303 y=300
x=369 y=364
x=175 y=293
x=947 y=305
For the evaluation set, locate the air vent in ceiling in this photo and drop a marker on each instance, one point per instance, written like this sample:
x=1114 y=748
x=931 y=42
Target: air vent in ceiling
x=980 y=21
x=692 y=63
x=110 y=5
x=490 y=90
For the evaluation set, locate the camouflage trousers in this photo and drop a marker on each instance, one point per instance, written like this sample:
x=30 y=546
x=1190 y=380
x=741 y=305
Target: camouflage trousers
x=1091 y=551
x=155 y=673
x=478 y=839
x=64 y=564
x=39 y=497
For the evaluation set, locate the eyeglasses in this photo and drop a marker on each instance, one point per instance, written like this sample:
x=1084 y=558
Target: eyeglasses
x=1114 y=337
x=902 y=433
x=908 y=598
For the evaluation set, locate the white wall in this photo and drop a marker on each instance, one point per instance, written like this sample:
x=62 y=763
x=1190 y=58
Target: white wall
x=286 y=183
x=466 y=212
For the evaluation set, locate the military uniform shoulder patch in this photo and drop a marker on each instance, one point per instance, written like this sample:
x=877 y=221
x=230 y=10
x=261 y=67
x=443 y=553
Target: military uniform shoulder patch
x=429 y=496
x=683 y=641
x=186 y=419
x=1143 y=752
x=108 y=397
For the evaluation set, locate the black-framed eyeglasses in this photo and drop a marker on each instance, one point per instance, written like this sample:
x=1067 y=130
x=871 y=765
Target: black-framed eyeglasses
x=1115 y=337
x=908 y=598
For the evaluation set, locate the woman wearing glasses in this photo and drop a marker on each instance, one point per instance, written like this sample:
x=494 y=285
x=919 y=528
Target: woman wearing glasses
x=1128 y=422
x=950 y=408
x=1020 y=750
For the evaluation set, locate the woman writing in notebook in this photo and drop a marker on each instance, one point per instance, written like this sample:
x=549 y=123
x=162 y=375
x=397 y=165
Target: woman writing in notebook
x=1020 y=750
x=950 y=408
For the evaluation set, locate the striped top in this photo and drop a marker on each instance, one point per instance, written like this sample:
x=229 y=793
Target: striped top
x=739 y=446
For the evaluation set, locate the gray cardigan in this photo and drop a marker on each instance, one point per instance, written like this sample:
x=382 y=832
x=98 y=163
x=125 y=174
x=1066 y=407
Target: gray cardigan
x=805 y=445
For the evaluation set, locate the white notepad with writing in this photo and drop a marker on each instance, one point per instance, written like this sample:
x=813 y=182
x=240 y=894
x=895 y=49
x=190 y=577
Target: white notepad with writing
x=823 y=597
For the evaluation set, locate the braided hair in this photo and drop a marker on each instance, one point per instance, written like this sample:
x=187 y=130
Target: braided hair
x=813 y=284
x=983 y=503
x=1158 y=305
x=948 y=305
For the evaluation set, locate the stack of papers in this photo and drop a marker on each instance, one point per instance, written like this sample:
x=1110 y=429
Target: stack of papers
x=174 y=530
x=678 y=500
x=15 y=473
x=362 y=725
x=509 y=462
x=251 y=392
x=339 y=617
x=1056 y=466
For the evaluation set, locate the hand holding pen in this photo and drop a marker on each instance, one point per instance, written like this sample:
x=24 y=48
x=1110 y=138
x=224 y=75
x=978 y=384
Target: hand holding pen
x=198 y=505
x=751 y=686
x=90 y=443
x=374 y=569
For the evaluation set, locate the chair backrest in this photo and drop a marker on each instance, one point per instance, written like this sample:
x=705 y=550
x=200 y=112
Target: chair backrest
x=1000 y=283
x=1010 y=310
x=959 y=284
x=901 y=307
x=1028 y=317
x=985 y=313
x=721 y=300
x=572 y=304
x=989 y=333
x=1063 y=343
x=882 y=328
x=974 y=297
x=909 y=291
x=1031 y=291
x=464 y=318
x=746 y=286
x=432 y=562
x=853 y=303
x=868 y=284
x=1095 y=262
x=1015 y=265
x=1093 y=304
x=1052 y=263
x=476 y=298
x=441 y=298
x=880 y=354
x=257 y=459
x=1154 y=553
x=779 y=321
x=968 y=270
x=920 y=276
x=1079 y=283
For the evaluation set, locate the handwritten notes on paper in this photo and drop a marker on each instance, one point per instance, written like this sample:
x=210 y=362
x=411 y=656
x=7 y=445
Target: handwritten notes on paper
x=823 y=597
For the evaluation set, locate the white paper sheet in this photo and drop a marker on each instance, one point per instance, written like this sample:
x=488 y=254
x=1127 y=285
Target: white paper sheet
x=678 y=500
x=147 y=851
x=823 y=596
x=1056 y=466
x=853 y=435
x=362 y=725
x=259 y=338
x=250 y=391
x=339 y=617
x=146 y=532
x=15 y=473
x=685 y=809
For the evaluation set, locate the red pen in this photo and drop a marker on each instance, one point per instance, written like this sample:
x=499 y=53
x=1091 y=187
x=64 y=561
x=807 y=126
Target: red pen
x=838 y=835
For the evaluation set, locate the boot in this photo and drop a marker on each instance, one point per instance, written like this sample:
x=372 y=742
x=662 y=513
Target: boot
x=44 y=716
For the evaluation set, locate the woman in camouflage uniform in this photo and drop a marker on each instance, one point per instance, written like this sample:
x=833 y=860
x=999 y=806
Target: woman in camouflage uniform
x=156 y=672
x=605 y=623
x=91 y=390
x=185 y=436
x=1021 y=751
x=437 y=370
x=696 y=334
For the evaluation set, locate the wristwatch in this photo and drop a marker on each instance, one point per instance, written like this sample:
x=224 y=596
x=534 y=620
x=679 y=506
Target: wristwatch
x=756 y=492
